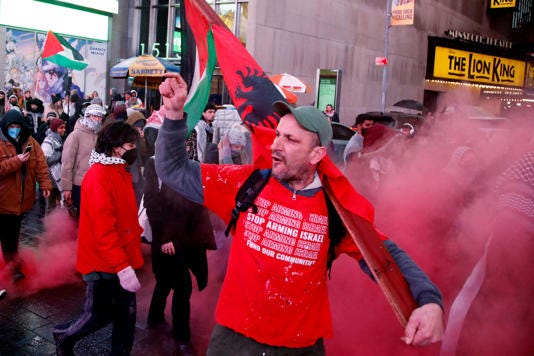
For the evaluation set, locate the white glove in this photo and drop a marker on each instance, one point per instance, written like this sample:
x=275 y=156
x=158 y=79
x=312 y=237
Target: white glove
x=129 y=280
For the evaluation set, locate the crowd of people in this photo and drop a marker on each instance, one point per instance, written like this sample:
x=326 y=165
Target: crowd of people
x=105 y=163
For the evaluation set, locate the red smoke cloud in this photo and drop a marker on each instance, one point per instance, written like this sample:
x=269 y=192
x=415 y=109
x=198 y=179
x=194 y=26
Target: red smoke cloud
x=436 y=203
x=52 y=263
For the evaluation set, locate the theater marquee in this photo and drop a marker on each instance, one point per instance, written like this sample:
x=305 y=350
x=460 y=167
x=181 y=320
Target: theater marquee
x=456 y=64
x=502 y=4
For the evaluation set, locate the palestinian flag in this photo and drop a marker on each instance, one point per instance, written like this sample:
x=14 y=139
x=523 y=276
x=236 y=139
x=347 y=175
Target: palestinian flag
x=57 y=50
x=205 y=59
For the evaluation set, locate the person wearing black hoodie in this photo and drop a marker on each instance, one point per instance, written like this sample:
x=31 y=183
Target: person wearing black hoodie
x=2 y=102
x=22 y=165
x=34 y=113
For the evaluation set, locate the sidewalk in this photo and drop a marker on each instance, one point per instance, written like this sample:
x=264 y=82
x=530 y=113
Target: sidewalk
x=26 y=323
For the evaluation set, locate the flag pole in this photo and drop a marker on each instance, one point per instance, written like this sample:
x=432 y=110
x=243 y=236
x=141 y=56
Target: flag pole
x=386 y=54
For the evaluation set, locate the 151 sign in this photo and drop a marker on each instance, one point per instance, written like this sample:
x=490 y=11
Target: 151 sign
x=155 y=50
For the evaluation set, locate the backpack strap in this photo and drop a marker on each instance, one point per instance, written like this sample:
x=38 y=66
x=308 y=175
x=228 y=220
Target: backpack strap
x=336 y=231
x=247 y=194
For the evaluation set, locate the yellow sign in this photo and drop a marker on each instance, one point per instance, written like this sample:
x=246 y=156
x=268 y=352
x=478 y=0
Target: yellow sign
x=451 y=63
x=501 y=4
x=402 y=12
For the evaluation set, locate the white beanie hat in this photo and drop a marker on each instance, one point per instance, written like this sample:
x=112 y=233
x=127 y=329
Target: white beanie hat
x=95 y=109
x=236 y=136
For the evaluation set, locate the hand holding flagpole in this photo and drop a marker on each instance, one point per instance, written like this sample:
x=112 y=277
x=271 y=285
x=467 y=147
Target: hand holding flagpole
x=174 y=93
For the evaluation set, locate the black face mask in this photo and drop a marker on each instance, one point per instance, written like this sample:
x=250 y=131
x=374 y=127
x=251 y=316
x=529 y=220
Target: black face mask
x=130 y=156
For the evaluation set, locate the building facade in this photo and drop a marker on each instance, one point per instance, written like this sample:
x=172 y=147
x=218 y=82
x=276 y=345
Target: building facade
x=348 y=38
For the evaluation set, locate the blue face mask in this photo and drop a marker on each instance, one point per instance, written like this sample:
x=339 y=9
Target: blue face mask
x=14 y=132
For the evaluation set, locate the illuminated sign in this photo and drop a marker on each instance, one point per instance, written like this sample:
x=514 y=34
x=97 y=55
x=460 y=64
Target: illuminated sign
x=451 y=63
x=501 y=4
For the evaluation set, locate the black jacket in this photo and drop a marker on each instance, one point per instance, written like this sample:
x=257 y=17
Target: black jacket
x=184 y=223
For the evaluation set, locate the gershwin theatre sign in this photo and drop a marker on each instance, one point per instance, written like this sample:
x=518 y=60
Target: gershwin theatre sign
x=450 y=63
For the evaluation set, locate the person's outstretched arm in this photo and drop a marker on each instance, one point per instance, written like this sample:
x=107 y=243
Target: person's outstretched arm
x=172 y=164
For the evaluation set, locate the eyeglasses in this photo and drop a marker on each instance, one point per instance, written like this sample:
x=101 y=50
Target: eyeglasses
x=51 y=72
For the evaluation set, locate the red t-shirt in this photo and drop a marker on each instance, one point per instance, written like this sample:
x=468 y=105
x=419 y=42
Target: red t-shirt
x=275 y=287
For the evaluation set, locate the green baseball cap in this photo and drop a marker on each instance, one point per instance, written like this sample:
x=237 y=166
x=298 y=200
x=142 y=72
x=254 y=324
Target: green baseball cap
x=308 y=117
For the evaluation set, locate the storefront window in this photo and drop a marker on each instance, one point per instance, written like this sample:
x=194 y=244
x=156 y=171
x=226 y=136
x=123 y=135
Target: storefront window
x=227 y=10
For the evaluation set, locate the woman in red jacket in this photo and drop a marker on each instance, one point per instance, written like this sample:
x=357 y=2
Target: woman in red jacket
x=109 y=243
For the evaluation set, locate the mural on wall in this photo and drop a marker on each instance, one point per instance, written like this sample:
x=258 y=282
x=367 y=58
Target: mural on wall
x=25 y=69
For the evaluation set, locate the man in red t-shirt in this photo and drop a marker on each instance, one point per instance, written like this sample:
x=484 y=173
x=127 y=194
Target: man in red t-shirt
x=274 y=297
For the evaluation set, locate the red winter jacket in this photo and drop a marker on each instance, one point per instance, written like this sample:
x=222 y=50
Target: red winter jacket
x=109 y=237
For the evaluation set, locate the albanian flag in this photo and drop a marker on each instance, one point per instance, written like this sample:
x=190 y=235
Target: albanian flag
x=57 y=50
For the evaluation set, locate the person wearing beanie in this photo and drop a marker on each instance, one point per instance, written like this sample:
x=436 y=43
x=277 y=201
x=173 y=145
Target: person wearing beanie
x=34 y=111
x=76 y=151
x=53 y=148
x=236 y=146
x=22 y=165
x=44 y=127
x=97 y=100
x=119 y=112
x=13 y=101
x=27 y=99
x=55 y=105
x=109 y=244
x=133 y=101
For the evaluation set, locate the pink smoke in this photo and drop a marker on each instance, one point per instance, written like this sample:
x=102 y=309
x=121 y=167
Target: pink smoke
x=436 y=204
x=52 y=263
